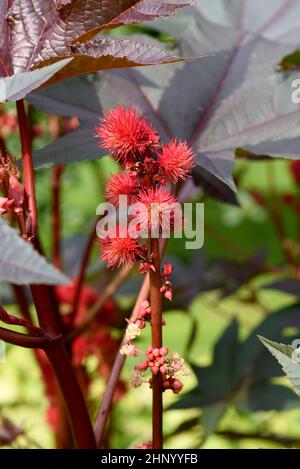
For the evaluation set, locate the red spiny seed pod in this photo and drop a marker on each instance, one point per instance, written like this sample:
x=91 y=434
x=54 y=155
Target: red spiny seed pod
x=126 y=135
x=117 y=251
x=121 y=184
x=176 y=160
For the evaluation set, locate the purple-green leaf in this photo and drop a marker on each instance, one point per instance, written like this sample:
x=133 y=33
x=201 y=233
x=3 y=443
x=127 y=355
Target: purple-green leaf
x=236 y=98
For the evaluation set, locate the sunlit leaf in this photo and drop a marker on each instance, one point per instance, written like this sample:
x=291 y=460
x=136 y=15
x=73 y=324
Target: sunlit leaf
x=21 y=264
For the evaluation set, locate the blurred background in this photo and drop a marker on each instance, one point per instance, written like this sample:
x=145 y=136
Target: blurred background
x=243 y=282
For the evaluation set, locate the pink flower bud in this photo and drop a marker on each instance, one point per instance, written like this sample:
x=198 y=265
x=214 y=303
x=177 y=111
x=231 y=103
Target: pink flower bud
x=156 y=352
x=142 y=366
x=5 y=205
x=168 y=269
x=177 y=386
x=168 y=295
x=155 y=370
x=164 y=351
x=140 y=324
x=163 y=369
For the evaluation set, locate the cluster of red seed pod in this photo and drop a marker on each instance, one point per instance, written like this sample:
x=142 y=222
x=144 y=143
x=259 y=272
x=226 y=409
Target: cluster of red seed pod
x=147 y=167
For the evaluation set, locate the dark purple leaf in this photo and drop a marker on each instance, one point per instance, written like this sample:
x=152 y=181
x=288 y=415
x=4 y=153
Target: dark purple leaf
x=235 y=98
x=237 y=274
x=5 y=58
x=109 y=53
x=275 y=19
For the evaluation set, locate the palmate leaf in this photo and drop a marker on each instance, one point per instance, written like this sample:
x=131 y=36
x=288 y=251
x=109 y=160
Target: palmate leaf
x=277 y=19
x=284 y=356
x=21 y=264
x=5 y=58
x=37 y=33
x=235 y=98
x=18 y=86
x=240 y=373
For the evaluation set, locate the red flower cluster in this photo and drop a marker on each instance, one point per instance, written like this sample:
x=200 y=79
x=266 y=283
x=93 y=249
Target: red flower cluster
x=154 y=213
x=135 y=144
x=158 y=362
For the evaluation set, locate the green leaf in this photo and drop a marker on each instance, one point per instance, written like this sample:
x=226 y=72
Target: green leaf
x=211 y=416
x=291 y=61
x=288 y=358
x=215 y=381
x=251 y=358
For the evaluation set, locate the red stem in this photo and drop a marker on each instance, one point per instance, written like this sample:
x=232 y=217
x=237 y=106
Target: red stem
x=28 y=173
x=56 y=221
x=64 y=439
x=156 y=331
x=59 y=359
x=23 y=340
x=22 y=302
x=57 y=354
x=104 y=410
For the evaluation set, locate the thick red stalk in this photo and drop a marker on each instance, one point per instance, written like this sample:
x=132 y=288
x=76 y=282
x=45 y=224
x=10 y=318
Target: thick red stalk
x=57 y=354
x=104 y=410
x=63 y=435
x=59 y=359
x=105 y=407
x=56 y=221
x=28 y=173
x=157 y=342
x=23 y=340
